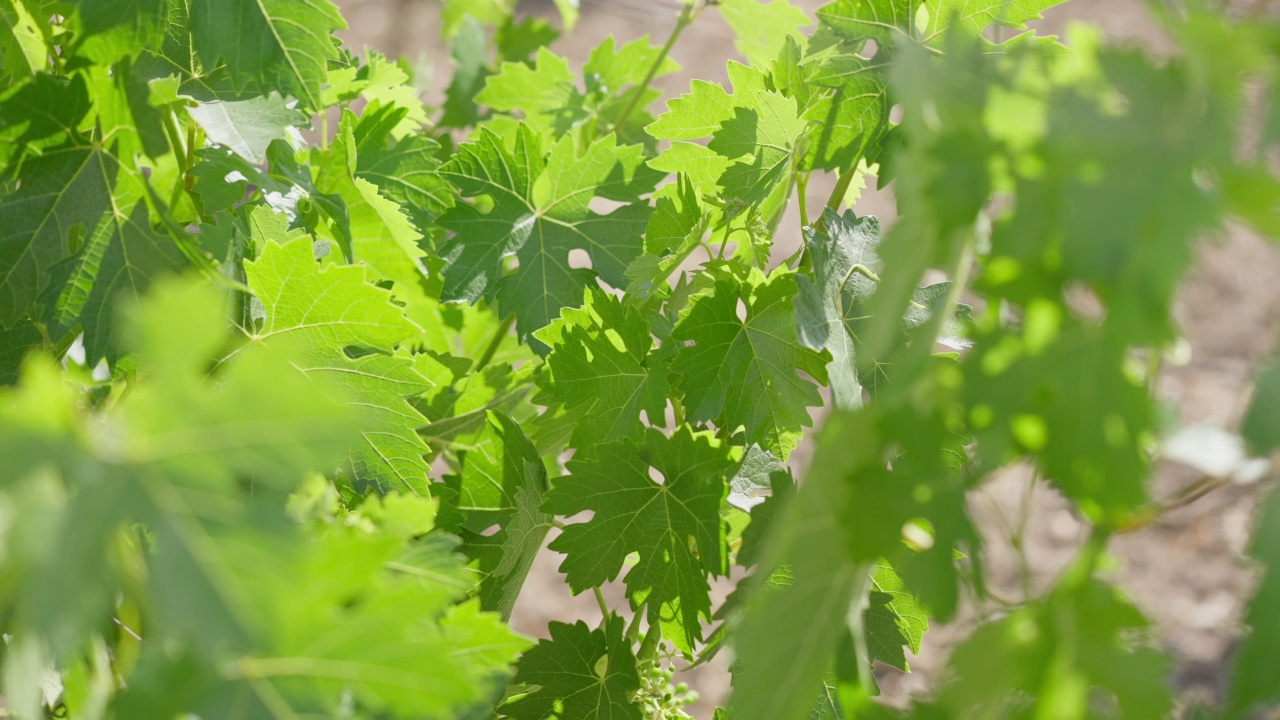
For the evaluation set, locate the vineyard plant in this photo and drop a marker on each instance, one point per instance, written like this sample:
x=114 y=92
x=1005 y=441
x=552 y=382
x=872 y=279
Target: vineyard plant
x=298 y=373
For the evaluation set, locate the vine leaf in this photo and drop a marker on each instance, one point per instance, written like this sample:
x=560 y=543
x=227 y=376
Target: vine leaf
x=1253 y=680
x=746 y=372
x=24 y=48
x=584 y=673
x=1057 y=645
x=675 y=230
x=540 y=213
x=760 y=142
x=762 y=27
x=548 y=98
x=120 y=259
x=246 y=126
x=501 y=481
x=109 y=31
x=602 y=366
x=347 y=330
x=893 y=620
x=674 y=524
x=78 y=197
x=1261 y=425
x=405 y=170
x=831 y=305
x=269 y=45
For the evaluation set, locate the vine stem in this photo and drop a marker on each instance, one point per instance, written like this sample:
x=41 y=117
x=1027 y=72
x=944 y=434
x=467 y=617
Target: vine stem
x=604 y=606
x=687 y=15
x=833 y=203
x=498 y=336
x=802 y=185
x=1157 y=510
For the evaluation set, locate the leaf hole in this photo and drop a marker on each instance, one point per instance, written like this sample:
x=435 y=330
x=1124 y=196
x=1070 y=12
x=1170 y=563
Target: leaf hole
x=656 y=476
x=355 y=352
x=579 y=258
x=603 y=206
x=870 y=49
x=492 y=530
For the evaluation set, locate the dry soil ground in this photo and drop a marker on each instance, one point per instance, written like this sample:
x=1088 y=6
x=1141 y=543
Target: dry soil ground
x=1186 y=571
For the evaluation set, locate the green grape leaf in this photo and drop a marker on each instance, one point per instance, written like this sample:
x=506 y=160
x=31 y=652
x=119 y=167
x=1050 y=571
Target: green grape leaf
x=486 y=12
x=579 y=672
x=63 y=192
x=761 y=142
x=831 y=306
x=788 y=636
x=752 y=477
x=676 y=227
x=247 y=127
x=548 y=99
x=222 y=178
x=470 y=55
x=269 y=45
x=179 y=442
x=703 y=111
x=974 y=16
x=120 y=258
x=537 y=91
x=24 y=46
x=43 y=113
x=540 y=213
x=82 y=198
x=501 y=481
x=852 y=116
x=893 y=620
x=109 y=31
x=405 y=170
x=844 y=261
x=1061 y=655
x=674 y=524
x=762 y=27
x=1261 y=425
x=520 y=40
x=1253 y=680
x=603 y=366
x=887 y=22
x=348 y=330
x=15 y=343
x=746 y=371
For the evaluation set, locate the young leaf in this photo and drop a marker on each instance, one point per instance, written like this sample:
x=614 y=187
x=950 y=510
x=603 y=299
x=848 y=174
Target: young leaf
x=762 y=27
x=347 y=330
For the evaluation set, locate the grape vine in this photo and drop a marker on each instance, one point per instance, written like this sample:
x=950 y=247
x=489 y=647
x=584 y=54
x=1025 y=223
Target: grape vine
x=299 y=374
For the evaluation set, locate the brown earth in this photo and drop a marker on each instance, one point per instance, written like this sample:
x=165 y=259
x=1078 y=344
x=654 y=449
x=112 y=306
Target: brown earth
x=1185 y=571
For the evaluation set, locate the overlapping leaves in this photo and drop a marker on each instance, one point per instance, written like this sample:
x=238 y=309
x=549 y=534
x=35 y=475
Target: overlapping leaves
x=348 y=331
x=540 y=212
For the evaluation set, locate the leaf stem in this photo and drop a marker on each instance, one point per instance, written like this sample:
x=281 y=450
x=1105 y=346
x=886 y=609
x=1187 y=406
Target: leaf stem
x=604 y=606
x=687 y=15
x=504 y=328
x=802 y=184
x=833 y=204
x=179 y=153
